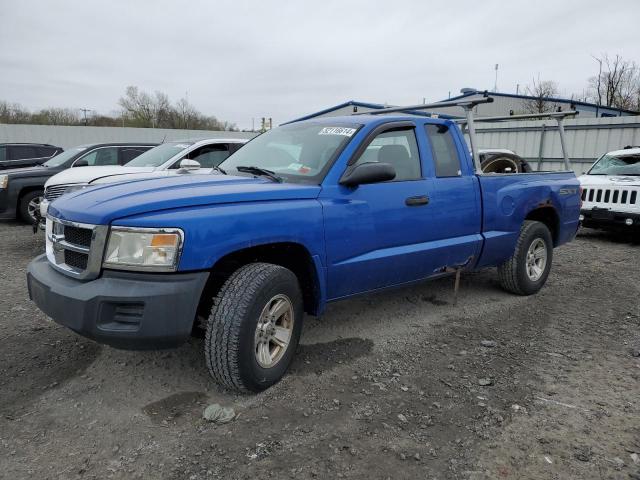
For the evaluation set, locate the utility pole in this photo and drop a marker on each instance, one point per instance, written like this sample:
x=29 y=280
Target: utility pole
x=599 y=80
x=84 y=111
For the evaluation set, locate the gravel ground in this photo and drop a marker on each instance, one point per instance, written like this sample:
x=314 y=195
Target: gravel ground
x=404 y=384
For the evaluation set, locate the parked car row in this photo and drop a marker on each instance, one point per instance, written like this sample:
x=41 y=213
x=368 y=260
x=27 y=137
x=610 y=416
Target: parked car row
x=22 y=189
x=26 y=192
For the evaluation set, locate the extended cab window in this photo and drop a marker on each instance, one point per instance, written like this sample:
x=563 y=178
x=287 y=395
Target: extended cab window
x=443 y=148
x=398 y=148
x=100 y=156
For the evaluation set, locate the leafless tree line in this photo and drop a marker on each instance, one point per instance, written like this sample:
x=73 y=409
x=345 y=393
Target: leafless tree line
x=138 y=109
x=616 y=85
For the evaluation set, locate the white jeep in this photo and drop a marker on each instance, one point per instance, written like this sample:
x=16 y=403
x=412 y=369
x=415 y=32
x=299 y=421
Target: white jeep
x=611 y=192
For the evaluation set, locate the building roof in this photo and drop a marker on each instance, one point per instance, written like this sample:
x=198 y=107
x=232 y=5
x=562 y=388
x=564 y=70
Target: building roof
x=373 y=106
x=548 y=99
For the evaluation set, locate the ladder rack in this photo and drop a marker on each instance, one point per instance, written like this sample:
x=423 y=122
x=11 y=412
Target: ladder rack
x=469 y=121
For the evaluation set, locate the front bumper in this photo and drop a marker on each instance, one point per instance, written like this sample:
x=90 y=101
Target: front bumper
x=134 y=311
x=608 y=219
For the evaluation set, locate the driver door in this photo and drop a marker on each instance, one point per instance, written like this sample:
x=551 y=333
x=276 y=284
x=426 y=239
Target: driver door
x=376 y=233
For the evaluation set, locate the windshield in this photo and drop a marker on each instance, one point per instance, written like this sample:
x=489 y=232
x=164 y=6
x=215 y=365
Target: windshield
x=297 y=152
x=617 y=165
x=64 y=156
x=158 y=155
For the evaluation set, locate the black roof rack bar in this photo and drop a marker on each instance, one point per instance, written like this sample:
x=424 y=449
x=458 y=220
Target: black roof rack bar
x=422 y=106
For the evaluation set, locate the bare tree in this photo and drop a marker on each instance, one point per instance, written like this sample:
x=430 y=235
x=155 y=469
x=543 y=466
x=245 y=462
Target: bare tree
x=139 y=109
x=541 y=91
x=617 y=84
x=56 y=116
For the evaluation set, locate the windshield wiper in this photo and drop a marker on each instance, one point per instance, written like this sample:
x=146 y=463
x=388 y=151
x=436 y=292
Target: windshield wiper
x=219 y=169
x=260 y=171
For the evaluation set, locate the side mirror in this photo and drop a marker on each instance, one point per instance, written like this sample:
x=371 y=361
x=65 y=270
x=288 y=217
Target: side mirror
x=81 y=163
x=370 y=172
x=188 y=165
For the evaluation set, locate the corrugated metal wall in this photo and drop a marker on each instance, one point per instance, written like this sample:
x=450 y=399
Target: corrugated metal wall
x=587 y=139
x=67 y=137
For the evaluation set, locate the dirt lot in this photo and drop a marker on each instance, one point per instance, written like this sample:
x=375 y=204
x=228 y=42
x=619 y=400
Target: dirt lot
x=399 y=385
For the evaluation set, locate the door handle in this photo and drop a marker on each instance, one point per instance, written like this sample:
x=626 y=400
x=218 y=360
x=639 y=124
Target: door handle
x=417 y=201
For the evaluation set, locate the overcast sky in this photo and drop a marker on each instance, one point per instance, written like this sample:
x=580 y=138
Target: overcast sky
x=242 y=59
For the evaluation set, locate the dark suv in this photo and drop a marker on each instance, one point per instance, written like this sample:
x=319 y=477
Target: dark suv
x=16 y=155
x=22 y=189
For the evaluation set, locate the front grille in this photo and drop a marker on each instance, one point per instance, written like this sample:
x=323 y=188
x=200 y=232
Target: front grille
x=78 y=236
x=613 y=196
x=55 y=191
x=76 y=249
x=76 y=259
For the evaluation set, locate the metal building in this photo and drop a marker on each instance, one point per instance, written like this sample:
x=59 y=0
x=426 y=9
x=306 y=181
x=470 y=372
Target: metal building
x=503 y=104
x=513 y=104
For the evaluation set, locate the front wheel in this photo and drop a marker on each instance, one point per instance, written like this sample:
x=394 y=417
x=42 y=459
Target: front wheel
x=254 y=327
x=526 y=272
x=29 y=207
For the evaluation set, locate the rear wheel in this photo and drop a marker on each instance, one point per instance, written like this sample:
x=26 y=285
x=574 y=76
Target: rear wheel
x=527 y=270
x=29 y=207
x=254 y=327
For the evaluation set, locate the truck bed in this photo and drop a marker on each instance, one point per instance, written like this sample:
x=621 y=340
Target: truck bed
x=507 y=198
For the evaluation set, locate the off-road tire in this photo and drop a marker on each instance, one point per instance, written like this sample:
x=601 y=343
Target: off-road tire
x=230 y=332
x=23 y=205
x=512 y=273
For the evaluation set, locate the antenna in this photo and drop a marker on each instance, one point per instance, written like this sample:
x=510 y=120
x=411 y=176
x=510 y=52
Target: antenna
x=495 y=85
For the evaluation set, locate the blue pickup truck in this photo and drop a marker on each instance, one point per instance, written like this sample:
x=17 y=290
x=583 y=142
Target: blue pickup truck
x=305 y=214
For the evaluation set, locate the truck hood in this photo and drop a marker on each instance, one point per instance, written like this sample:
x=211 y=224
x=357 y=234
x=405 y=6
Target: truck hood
x=89 y=174
x=100 y=205
x=609 y=181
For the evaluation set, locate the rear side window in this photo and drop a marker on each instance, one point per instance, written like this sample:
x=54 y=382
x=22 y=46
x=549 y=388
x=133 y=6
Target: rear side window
x=211 y=155
x=21 y=152
x=3 y=153
x=129 y=153
x=398 y=148
x=46 y=152
x=100 y=156
x=443 y=148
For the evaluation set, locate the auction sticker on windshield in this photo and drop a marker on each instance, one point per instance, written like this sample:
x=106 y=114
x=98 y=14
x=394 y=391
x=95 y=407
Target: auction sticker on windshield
x=347 y=132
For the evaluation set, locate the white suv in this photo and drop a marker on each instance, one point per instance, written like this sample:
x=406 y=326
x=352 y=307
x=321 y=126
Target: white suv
x=171 y=158
x=611 y=191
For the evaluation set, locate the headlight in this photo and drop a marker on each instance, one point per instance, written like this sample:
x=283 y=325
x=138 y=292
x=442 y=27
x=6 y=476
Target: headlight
x=156 y=249
x=4 y=181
